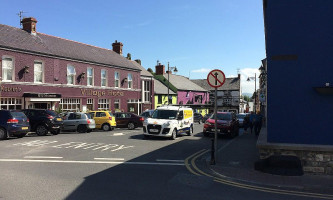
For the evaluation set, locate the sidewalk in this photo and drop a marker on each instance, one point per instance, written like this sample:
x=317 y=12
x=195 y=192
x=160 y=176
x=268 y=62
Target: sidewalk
x=236 y=160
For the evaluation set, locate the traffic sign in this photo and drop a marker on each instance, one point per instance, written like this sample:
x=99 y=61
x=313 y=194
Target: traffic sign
x=216 y=78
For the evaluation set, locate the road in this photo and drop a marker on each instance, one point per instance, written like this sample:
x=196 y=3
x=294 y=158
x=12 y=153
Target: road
x=119 y=164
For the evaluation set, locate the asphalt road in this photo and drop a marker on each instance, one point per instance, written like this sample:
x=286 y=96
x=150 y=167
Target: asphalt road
x=119 y=164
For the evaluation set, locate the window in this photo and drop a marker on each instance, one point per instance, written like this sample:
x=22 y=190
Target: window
x=103 y=104
x=38 y=72
x=10 y=104
x=100 y=114
x=70 y=104
x=117 y=104
x=130 y=81
x=159 y=101
x=103 y=78
x=7 y=69
x=90 y=104
x=198 y=98
x=116 y=79
x=146 y=90
x=70 y=75
x=90 y=75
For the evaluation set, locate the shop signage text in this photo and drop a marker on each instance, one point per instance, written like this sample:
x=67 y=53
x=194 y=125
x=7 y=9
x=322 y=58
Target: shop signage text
x=90 y=92
x=10 y=89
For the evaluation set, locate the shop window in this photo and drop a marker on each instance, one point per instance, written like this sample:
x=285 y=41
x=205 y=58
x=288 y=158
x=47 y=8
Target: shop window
x=90 y=104
x=117 y=104
x=103 y=78
x=11 y=104
x=7 y=69
x=90 y=75
x=103 y=104
x=130 y=81
x=116 y=79
x=71 y=75
x=70 y=104
x=38 y=72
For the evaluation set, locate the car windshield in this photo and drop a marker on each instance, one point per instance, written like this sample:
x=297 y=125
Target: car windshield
x=89 y=115
x=18 y=114
x=165 y=114
x=221 y=116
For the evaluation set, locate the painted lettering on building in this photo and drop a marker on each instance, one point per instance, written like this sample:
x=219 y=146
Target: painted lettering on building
x=10 y=89
x=90 y=92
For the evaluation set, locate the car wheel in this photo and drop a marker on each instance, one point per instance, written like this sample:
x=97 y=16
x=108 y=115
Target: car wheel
x=130 y=126
x=206 y=134
x=3 y=134
x=55 y=132
x=89 y=130
x=174 y=134
x=106 y=127
x=190 y=132
x=21 y=135
x=41 y=130
x=82 y=128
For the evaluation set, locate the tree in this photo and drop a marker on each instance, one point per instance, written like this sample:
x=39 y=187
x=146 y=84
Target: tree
x=150 y=70
x=246 y=98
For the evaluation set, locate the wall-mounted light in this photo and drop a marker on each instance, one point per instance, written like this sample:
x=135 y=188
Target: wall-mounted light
x=123 y=81
x=82 y=75
x=26 y=69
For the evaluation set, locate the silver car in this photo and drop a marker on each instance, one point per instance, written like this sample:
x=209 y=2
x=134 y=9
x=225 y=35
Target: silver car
x=78 y=121
x=240 y=118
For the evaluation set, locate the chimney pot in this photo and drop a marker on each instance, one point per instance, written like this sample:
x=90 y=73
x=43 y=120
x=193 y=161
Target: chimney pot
x=117 y=47
x=138 y=61
x=29 y=24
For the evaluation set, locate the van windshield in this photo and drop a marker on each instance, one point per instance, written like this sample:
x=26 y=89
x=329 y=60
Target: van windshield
x=165 y=114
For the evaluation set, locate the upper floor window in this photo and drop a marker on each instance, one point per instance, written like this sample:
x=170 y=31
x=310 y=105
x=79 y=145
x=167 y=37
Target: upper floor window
x=146 y=89
x=38 y=72
x=90 y=75
x=130 y=81
x=116 y=79
x=7 y=69
x=103 y=78
x=70 y=75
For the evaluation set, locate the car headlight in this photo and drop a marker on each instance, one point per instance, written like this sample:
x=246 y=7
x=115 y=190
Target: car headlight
x=167 y=124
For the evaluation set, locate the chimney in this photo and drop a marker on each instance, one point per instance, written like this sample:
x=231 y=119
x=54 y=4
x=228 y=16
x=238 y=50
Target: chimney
x=29 y=25
x=129 y=57
x=238 y=76
x=138 y=61
x=117 y=47
x=160 y=69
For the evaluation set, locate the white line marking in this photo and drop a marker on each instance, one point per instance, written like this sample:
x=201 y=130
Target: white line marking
x=52 y=157
x=92 y=162
x=109 y=158
x=163 y=160
x=117 y=134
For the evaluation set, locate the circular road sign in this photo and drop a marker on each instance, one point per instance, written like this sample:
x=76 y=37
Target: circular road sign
x=216 y=78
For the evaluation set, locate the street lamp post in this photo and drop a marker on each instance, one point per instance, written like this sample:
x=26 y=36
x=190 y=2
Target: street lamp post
x=255 y=90
x=175 y=70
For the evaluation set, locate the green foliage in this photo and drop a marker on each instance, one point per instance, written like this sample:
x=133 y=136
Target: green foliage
x=246 y=98
x=58 y=110
x=151 y=71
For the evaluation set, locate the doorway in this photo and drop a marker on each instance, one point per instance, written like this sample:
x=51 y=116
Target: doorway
x=40 y=105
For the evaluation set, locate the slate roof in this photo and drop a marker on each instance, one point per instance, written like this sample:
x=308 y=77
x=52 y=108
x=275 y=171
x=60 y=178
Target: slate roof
x=160 y=88
x=229 y=84
x=183 y=83
x=144 y=72
x=15 y=38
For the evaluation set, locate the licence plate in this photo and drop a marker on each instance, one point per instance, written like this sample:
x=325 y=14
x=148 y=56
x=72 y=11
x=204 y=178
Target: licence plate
x=24 y=128
x=154 y=130
x=218 y=130
x=58 y=119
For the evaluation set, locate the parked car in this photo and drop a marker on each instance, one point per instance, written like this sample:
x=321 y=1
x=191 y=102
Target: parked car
x=197 y=117
x=78 y=121
x=240 y=118
x=206 y=117
x=129 y=120
x=227 y=124
x=42 y=121
x=104 y=120
x=13 y=123
x=147 y=113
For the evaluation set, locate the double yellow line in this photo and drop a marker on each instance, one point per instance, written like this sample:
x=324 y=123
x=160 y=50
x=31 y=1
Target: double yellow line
x=191 y=166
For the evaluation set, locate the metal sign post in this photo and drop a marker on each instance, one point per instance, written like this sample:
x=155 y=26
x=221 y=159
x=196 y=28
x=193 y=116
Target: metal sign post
x=215 y=78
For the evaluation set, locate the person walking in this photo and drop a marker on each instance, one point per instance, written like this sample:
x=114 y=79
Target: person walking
x=252 y=121
x=258 y=123
x=246 y=123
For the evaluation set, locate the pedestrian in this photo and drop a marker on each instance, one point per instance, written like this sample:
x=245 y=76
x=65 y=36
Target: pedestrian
x=252 y=120
x=246 y=123
x=258 y=123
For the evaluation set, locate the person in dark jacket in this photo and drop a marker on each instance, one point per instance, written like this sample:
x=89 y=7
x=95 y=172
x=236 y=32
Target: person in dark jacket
x=246 y=123
x=258 y=123
x=252 y=120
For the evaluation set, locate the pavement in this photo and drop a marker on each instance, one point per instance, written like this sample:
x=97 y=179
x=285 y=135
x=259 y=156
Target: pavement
x=236 y=160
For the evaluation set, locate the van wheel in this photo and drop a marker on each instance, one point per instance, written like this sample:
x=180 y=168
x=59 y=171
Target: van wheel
x=3 y=134
x=174 y=134
x=190 y=132
x=106 y=127
x=41 y=130
x=130 y=126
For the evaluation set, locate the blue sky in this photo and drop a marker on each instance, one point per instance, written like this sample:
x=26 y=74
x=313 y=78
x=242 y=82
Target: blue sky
x=195 y=36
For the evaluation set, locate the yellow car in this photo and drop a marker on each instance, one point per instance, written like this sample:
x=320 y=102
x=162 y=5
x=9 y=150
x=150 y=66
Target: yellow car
x=104 y=120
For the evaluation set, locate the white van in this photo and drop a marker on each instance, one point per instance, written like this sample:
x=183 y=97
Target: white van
x=168 y=121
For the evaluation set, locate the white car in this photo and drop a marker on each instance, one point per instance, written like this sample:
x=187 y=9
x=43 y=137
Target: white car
x=169 y=121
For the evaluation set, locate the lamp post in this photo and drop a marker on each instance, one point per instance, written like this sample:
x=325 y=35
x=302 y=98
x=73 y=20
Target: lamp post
x=255 y=90
x=175 y=70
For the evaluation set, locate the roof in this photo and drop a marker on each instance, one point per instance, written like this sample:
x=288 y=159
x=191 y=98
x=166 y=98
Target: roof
x=229 y=84
x=15 y=38
x=183 y=83
x=159 y=88
x=144 y=72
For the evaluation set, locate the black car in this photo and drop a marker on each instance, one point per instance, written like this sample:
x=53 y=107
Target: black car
x=197 y=117
x=42 y=121
x=129 y=120
x=13 y=123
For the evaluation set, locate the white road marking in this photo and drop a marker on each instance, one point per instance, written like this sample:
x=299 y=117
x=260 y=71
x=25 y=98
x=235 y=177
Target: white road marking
x=163 y=160
x=91 y=162
x=51 y=157
x=117 y=134
x=109 y=158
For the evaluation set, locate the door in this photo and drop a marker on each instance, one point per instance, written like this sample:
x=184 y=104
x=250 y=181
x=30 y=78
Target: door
x=100 y=119
x=72 y=121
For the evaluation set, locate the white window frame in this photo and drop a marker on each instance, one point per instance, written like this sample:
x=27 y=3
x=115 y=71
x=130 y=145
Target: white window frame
x=104 y=78
x=4 y=79
x=72 y=104
x=117 y=102
x=11 y=103
x=90 y=102
x=40 y=72
x=146 y=90
x=116 y=79
x=71 y=75
x=90 y=76
x=103 y=104
x=130 y=81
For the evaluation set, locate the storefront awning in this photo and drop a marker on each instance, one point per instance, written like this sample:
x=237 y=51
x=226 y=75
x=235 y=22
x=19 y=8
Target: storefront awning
x=42 y=99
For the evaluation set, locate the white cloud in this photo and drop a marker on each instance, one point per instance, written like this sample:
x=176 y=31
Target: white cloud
x=249 y=86
x=202 y=70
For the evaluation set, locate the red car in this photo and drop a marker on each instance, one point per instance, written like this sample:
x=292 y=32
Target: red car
x=227 y=124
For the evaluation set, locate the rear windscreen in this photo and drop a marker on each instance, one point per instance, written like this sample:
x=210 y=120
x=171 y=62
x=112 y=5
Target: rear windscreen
x=18 y=114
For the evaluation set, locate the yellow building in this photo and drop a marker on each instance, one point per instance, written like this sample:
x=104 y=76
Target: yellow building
x=161 y=94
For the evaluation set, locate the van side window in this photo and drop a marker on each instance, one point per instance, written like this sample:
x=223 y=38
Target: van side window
x=181 y=115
